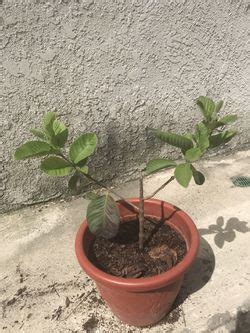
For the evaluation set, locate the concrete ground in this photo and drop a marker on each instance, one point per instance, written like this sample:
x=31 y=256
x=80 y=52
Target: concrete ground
x=43 y=289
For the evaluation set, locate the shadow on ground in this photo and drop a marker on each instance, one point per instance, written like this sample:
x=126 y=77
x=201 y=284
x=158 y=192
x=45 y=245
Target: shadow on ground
x=199 y=274
x=195 y=279
x=231 y=323
x=202 y=270
x=225 y=232
x=203 y=267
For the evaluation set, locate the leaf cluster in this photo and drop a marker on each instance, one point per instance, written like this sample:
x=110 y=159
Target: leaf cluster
x=102 y=213
x=51 y=140
x=209 y=133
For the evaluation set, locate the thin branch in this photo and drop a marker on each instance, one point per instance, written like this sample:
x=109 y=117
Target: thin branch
x=125 y=203
x=141 y=215
x=160 y=188
x=134 y=207
x=99 y=183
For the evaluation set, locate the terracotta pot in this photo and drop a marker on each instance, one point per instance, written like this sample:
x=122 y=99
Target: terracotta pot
x=144 y=301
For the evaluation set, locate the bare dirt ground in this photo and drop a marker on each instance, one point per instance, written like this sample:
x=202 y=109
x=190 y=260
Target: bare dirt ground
x=43 y=289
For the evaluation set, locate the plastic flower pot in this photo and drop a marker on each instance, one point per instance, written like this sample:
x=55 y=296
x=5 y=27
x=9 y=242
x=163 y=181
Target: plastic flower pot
x=144 y=301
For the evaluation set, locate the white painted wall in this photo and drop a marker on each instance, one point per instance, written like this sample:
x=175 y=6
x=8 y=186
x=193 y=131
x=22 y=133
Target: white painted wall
x=116 y=67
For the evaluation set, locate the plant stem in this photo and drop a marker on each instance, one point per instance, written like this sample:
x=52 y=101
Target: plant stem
x=160 y=188
x=141 y=215
x=130 y=206
x=133 y=208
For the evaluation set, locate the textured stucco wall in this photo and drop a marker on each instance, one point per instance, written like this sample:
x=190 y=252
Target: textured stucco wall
x=115 y=67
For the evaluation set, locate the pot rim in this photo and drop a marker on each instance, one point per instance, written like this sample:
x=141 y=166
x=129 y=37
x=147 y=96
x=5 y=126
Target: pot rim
x=147 y=283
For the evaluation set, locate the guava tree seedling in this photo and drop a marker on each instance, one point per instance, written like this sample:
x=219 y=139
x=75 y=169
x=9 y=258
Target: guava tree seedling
x=102 y=212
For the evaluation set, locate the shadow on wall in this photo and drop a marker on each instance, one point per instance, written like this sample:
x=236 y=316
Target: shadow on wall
x=225 y=233
x=119 y=151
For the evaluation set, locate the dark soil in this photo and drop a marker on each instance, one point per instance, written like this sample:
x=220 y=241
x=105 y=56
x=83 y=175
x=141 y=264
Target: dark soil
x=163 y=248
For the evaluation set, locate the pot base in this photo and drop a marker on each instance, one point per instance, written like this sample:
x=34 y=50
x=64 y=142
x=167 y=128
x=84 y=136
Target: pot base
x=151 y=308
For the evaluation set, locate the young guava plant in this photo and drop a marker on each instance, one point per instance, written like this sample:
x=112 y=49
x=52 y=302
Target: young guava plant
x=102 y=212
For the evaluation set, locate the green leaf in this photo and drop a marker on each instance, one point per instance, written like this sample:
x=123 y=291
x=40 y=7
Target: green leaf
x=190 y=136
x=82 y=162
x=218 y=106
x=49 y=118
x=39 y=134
x=221 y=122
x=173 y=139
x=60 y=134
x=84 y=169
x=48 y=123
x=82 y=166
x=193 y=154
x=211 y=125
x=32 y=149
x=74 y=182
x=221 y=138
x=83 y=147
x=158 y=164
x=206 y=105
x=228 y=119
x=214 y=116
x=183 y=174
x=103 y=216
x=202 y=137
x=199 y=178
x=56 y=166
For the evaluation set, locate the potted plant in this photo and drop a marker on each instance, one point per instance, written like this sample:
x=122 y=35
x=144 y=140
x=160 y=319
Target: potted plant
x=136 y=250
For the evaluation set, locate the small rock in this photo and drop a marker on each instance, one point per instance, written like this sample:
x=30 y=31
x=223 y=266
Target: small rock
x=67 y=302
x=90 y=324
x=11 y=301
x=20 y=291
